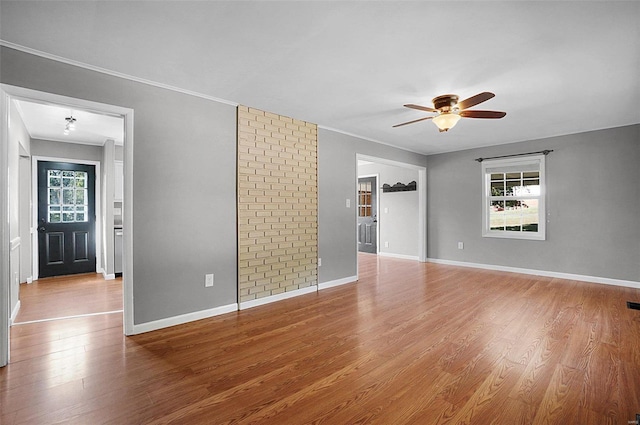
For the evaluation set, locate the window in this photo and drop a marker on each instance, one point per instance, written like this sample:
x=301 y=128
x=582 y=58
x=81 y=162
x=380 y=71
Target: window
x=364 y=199
x=67 y=201
x=513 y=193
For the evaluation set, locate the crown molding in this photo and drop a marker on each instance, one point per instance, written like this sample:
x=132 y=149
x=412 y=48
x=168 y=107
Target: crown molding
x=112 y=73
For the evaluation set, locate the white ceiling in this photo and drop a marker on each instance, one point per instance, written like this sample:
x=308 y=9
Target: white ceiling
x=47 y=122
x=555 y=67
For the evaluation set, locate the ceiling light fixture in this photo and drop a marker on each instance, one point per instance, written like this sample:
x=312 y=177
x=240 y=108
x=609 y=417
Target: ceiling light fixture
x=446 y=120
x=71 y=124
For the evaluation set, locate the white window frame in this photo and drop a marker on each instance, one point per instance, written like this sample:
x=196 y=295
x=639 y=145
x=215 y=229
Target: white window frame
x=508 y=164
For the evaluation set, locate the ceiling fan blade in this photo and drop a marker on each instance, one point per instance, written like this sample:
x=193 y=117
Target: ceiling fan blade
x=411 y=122
x=474 y=100
x=482 y=114
x=422 y=108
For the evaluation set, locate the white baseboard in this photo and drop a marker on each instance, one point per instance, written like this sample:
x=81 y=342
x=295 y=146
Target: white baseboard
x=337 y=282
x=105 y=275
x=183 y=318
x=14 y=313
x=401 y=256
x=559 y=275
x=273 y=298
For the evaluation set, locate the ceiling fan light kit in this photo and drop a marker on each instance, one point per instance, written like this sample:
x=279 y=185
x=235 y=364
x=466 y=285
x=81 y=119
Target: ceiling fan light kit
x=450 y=110
x=446 y=121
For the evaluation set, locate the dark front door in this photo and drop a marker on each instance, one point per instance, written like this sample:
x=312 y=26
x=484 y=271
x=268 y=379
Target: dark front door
x=66 y=218
x=367 y=215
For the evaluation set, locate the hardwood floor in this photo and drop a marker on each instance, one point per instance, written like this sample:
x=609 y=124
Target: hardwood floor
x=69 y=296
x=410 y=343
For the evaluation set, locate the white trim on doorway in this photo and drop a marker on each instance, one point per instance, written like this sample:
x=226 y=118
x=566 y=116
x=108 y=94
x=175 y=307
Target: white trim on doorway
x=7 y=94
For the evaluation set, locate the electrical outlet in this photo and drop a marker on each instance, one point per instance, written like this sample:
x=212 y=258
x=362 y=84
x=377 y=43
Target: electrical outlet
x=348 y=203
x=386 y=244
x=208 y=280
x=319 y=262
x=460 y=245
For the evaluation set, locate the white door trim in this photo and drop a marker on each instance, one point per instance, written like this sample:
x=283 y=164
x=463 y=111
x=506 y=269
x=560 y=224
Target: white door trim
x=7 y=94
x=35 y=240
x=5 y=242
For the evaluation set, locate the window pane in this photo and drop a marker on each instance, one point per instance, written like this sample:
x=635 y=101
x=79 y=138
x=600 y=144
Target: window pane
x=497 y=176
x=67 y=196
x=531 y=175
x=497 y=188
x=68 y=217
x=54 y=217
x=530 y=187
x=54 y=196
x=514 y=176
x=530 y=215
x=54 y=181
x=80 y=196
x=512 y=187
x=496 y=215
x=68 y=174
x=81 y=183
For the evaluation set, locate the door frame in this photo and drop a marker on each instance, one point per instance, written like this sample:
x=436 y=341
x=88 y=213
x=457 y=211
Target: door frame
x=377 y=182
x=35 y=241
x=7 y=94
x=422 y=200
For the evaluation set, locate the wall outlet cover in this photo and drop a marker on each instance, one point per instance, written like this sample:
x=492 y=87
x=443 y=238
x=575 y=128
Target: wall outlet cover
x=208 y=280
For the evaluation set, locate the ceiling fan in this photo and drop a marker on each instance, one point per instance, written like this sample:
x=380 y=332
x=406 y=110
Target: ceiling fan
x=450 y=110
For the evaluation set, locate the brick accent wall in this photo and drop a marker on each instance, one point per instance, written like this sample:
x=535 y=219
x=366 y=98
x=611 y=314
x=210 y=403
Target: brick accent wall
x=277 y=204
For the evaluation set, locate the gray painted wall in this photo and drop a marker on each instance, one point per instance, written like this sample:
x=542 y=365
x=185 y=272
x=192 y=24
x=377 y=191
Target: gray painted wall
x=65 y=150
x=184 y=215
x=337 y=177
x=593 y=200
x=399 y=224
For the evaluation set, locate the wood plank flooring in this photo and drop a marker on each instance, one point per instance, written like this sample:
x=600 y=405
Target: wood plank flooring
x=410 y=343
x=69 y=296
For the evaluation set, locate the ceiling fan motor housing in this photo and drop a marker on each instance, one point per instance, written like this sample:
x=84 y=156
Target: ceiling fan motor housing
x=445 y=102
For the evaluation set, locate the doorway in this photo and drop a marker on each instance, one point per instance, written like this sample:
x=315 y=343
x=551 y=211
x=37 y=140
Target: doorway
x=368 y=214
x=401 y=219
x=8 y=96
